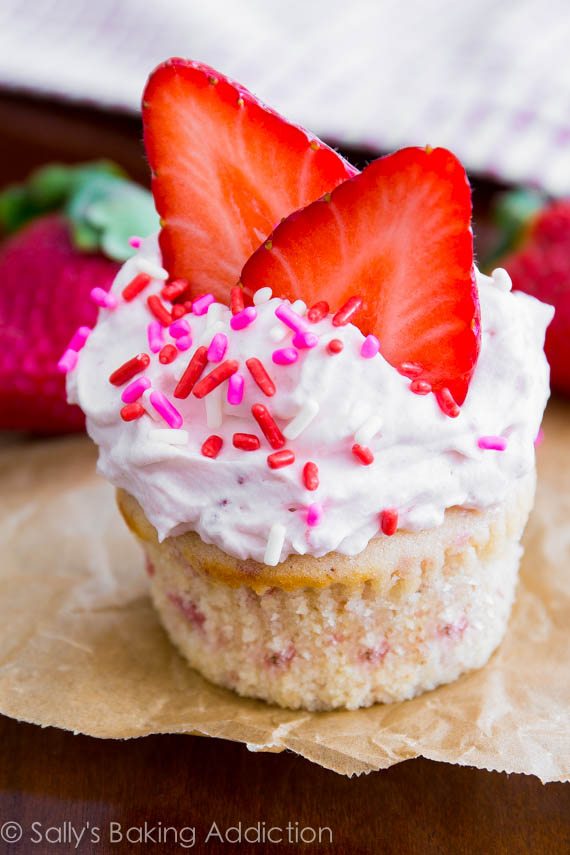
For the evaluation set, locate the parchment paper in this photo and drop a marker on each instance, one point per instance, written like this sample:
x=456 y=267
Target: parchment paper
x=81 y=649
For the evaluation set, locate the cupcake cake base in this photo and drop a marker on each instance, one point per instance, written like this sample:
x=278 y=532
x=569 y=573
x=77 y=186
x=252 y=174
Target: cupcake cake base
x=409 y=613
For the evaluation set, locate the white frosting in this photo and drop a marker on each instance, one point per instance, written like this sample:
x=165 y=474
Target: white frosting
x=425 y=462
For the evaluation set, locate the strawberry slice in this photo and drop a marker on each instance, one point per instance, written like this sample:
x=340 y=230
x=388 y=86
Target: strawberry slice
x=225 y=169
x=398 y=235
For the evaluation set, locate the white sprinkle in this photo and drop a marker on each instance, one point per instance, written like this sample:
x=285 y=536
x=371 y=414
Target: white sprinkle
x=214 y=408
x=262 y=295
x=360 y=413
x=368 y=429
x=277 y=334
x=211 y=330
x=300 y=307
x=302 y=420
x=502 y=279
x=213 y=315
x=274 y=546
x=171 y=436
x=145 y=398
x=145 y=265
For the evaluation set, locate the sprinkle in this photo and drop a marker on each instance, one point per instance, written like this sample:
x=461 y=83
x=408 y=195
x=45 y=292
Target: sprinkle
x=217 y=348
x=447 y=403
x=178 y=311
x=290 y=318
x=243 y=319
x=210 y=331
x=368 y=429
x=492 y=443
x=102 y=299
x=68 y=361
x=236 y=385
x=501 y=279
x=302 y=420
x=236 y=300
x=277 y=333
x=539 y=438
x=335 y=346
x=363 y=454
x=389 y=521
x=179 y=328
x=149 y=409
x=347 y=311
x=305 y=340
x=167 y=354
x=213 y=317
x=172 y=437
x=127 y=370
x=155 y=271
x=79 y=338
x=192 y=372
x=215 y=377
x=261 y=377
x=174 y=289
x=299 y=306
x=317 y=312
x=184 y=343
x=201 y=304
x=188 y=306
x=135 y=286
x=155 y=336
x=212 y=446
x=159 y=310
x=311 y=475
x=274 y=546
x=420 y=387
x=370 y=347
x=262 y=295
x=285 y=356
x=410 y=369
x=314 y=514
x=268 y=425
x=130 y=412
x=134 y=390
x=246 y=441
x=279 y=459
x=135 y=241
x=214 y=409
x=167 y=410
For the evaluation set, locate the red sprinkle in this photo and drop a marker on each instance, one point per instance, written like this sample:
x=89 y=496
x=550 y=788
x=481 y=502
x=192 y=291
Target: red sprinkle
x=174 y=289
x=130 y=412
x=192 y=373
x=128 y=369
x=188 y=306
x=178 y=311
x=420 y=387
x=363 y=454
x=410 y=369
x=268 y=425
x=167 y=354
x=260 y=375
x=159 y=310
x=335 y=346
x=447 y=403
x=281 y=458
x=212 y=446
x=246 y=441
x=389 y=521
x=236 y=300
x=317 y=312
x=346 y=312
x=216 y=377
x=135 y=286
x=311 y=475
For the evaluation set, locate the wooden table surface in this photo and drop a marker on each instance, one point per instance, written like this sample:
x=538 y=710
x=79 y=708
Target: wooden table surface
x=65 y=783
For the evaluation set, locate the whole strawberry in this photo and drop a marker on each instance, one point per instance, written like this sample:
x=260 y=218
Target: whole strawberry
x=68 y=230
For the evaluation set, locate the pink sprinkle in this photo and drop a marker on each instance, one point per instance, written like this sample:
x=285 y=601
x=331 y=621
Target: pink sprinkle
x=236 y=385
x=155 y=336
x=314 y=514
x=370 y=347
x=179 y=329
x=184 y=343
x=201 y=305
x=135 y=241
x=167 y=410
x=79 y=338
x=101 y=298
x=285 y=356
x=290 y=318
x=218 y=347
x=305 y=340
x=539 y=439
x=492 y=443
x=244 y=318
x=134 y=390
x=68 y=361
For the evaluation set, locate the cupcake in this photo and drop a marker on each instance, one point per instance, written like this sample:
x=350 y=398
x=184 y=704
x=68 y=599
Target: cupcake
x=322 y=431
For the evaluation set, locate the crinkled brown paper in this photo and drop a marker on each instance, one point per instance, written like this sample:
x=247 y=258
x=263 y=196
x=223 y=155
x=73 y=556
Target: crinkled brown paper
x=81 y=648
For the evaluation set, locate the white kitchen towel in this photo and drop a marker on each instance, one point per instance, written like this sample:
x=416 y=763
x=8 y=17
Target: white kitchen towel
x=489 y=79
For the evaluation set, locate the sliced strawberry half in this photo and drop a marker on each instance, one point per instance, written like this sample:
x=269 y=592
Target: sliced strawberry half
x=226 y=169
x=399 y=236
